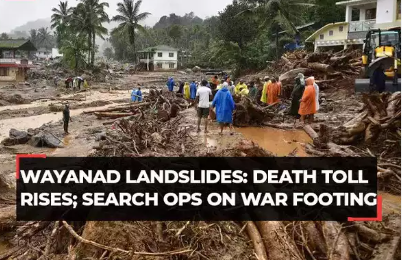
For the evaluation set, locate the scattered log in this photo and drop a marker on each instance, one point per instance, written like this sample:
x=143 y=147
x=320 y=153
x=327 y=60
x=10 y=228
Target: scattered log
x=320 y=67
x=336 y=240
x=121 y=108
x=277 y=242
x=255 y=237
x=291 y=75
x=101 y=115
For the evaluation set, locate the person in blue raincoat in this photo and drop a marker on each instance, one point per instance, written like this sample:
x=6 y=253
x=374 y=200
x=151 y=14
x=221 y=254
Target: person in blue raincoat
x=170 y=84
x=193 y=90
x=134 y=95
x=139 y=95
x=224 y=104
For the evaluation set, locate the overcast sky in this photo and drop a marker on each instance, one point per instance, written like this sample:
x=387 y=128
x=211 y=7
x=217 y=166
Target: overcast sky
x=15 y=13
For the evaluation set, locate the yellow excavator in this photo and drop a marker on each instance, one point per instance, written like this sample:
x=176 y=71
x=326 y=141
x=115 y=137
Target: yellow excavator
x=381 y=47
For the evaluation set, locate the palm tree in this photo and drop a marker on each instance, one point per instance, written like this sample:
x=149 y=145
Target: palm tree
x=87 y=19
x=44 y=38
x=60 y=19
x=33 y=37
x=130 y=16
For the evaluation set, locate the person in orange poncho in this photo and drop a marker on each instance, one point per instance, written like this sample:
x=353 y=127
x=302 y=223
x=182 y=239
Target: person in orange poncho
x=307 y=103
x=273 y=92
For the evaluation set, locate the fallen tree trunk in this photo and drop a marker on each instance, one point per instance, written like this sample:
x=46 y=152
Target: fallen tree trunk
x=277 y=242
x=119 y=108
x=320 y=67
x=255 y=237
x=100 y=115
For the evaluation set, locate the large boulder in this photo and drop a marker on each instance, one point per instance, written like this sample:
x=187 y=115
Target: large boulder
x=16 y=137
x=196 y=69
x=45 y=140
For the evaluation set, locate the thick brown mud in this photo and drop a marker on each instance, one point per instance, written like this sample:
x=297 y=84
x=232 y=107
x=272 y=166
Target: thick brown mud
x=277 y=141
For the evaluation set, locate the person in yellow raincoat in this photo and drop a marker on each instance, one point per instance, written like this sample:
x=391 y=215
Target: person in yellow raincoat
x=240 y=87
x=187 y=90
x=265 y=89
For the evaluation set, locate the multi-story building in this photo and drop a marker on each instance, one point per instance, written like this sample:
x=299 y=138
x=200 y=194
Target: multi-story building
x=160 y=57
x=15 y=59
x=361 y=16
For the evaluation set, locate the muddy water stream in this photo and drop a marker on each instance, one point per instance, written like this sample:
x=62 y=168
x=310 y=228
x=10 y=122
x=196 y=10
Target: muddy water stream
x=277 y=141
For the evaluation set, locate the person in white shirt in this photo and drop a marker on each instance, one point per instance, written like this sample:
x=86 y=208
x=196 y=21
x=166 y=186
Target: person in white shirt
x=202 y=98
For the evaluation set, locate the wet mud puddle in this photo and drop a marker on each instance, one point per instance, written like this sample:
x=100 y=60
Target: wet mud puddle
x=391 y=204
x=277 y=141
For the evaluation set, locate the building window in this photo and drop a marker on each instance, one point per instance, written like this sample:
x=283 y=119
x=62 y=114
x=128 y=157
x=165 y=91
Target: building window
x=341 y=28
x=355 y=14
x=159 y=65
x=398 y=9
x=331 y=33
x=159 y=54
x=171 y=54
x=4 y=72
x=371 y=14
x=321 y=36
x=171 y=65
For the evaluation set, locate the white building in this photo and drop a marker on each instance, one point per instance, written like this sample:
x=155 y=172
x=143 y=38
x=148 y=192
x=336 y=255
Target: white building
x=160 y=57
x=56 y=53
x=361 y=16
x=43 y=53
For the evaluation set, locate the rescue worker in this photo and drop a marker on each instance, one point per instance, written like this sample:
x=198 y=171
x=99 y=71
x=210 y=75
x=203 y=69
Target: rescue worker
x=224 y=104
x=273 y=92
x=252 y=91
x=307 y=102
x=134 y=95
x=377 y=80
x=264 y=90
x=240 y=87
x=139 y=94
x=186 y=91
x=170 y=84
x=296 y=95
x=66 y=118
x=193 y=90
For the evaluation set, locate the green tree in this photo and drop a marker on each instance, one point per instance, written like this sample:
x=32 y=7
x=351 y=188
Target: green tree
x=130 y=16
x=108 y=53
x=175 y=33
x=279 y=15
x=60 y=19
x=73 y=49
x=4 y=36
x=45 y=39
x=87 y=19
x=34 y=37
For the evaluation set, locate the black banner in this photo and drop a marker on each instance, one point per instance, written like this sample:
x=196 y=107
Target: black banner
x=216 y=189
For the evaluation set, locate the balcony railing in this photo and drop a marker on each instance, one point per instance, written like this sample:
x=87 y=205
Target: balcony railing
x=361 y=26
x=15 y=61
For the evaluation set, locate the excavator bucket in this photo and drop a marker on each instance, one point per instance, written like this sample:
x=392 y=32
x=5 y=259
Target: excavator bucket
x=363 y=85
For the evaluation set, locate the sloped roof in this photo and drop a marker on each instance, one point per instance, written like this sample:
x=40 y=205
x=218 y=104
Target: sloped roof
x=355 y=2
x=158 y=48
x=14 y=44
x=311 y=38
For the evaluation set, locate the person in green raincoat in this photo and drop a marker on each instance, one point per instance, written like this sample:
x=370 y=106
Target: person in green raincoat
x=296 y=95
x=264 y=90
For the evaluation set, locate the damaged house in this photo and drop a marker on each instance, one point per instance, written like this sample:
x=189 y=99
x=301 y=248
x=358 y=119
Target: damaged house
x=15 y=59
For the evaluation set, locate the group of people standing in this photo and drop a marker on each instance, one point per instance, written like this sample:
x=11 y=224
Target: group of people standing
x=75 y=82
x=218 y=94
x=136 y=94
x=209 y=95
x=305 y=99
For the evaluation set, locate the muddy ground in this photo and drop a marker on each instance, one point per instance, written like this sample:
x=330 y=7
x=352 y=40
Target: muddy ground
x=39 y=106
